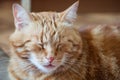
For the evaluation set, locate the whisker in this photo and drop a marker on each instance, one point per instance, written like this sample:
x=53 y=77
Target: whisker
x=75 y=70
x=57 y=61
x=69 y=62
x=25 y=68
x=29 y=68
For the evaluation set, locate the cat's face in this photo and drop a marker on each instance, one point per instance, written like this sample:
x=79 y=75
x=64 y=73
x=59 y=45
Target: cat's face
x=46 y=40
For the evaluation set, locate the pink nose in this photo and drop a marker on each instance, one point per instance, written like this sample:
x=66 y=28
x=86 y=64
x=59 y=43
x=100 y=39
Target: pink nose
x=51 y=59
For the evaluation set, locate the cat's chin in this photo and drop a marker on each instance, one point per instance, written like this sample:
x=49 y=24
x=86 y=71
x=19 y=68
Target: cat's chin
x=46 y=68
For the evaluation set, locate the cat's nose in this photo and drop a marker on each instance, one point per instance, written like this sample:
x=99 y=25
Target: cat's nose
x=50 y=59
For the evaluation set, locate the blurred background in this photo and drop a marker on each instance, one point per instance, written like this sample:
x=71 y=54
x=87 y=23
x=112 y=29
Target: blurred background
x=90 y=12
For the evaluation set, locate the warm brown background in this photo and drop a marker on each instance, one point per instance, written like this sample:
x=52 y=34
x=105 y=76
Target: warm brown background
x=86 y=6
x=90 y=12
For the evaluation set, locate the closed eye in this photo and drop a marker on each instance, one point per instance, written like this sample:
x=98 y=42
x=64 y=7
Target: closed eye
x=20 y=44
x=58 y=47
x=40 y=45
x=28 y=50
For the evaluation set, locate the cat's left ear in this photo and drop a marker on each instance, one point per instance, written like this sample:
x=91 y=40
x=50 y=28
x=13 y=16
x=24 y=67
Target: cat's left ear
x=70 y=14
x=21 y=17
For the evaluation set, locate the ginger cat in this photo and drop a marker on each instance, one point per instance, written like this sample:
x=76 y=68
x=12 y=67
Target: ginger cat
x=46 y=46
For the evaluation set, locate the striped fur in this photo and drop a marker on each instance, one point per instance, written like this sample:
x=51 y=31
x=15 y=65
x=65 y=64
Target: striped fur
x=89 y=54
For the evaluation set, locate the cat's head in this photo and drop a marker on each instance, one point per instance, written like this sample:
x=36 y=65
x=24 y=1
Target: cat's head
x=46 y=40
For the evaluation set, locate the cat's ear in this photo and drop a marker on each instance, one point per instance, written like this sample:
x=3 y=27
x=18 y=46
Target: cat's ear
x=21 y=17
x=70 y=14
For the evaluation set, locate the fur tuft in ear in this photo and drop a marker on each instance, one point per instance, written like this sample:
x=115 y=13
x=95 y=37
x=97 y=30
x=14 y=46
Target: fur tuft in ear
x=21 y=17
x=70 y=14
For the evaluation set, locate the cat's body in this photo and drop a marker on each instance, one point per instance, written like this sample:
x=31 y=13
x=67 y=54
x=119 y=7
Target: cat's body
x=103 y=53
x=45 y=46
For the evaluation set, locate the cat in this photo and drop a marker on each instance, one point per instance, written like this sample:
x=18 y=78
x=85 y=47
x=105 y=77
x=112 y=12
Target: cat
x=46 y=46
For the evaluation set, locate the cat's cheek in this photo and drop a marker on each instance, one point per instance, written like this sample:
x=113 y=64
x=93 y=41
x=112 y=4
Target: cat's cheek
x=68 y=58
x=64 y=57
x=23 y=55
x=33 y=59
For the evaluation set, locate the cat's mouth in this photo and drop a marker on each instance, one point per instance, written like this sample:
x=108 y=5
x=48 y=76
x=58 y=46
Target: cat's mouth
x=49 y=66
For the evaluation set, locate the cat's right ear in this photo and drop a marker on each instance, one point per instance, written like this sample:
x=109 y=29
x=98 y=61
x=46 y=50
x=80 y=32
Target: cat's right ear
x=70 y=14
x=21 y=17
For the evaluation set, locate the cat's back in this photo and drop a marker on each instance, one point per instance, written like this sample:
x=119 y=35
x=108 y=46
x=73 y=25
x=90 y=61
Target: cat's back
x=103 y=42
x=105 y=39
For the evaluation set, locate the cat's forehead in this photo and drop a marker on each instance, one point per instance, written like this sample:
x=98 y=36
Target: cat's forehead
x=46 y=24
x=47 y=27
x=45 y=16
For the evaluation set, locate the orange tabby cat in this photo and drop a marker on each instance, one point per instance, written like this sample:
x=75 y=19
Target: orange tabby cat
x=45 y=46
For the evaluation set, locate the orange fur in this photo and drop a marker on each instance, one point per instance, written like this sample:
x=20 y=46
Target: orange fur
x=89 y=54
